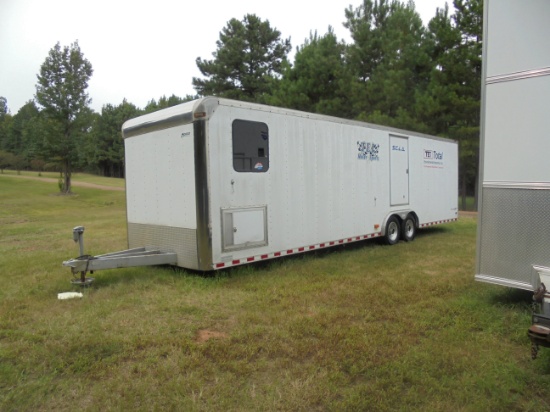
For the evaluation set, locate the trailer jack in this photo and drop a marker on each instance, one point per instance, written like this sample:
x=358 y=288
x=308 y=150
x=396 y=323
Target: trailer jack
x=539 y=331
x=143 y=256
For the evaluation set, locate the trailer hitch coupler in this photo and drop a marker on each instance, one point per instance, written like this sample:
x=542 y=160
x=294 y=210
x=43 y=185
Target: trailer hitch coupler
x=78 y=237
x=77 y=233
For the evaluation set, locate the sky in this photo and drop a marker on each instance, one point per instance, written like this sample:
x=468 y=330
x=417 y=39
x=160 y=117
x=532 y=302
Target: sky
x=144 y=50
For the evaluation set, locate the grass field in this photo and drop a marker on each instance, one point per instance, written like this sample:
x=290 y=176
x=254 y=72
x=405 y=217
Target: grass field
x=366 y=327
x=76 y=177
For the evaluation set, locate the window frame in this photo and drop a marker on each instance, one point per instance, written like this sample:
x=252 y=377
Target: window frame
x=246 y=134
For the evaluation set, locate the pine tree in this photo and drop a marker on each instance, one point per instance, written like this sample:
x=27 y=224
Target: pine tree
x=319 y=80
x=104 y=147
x=389 y=61
x=450 y=104
x=249 y=58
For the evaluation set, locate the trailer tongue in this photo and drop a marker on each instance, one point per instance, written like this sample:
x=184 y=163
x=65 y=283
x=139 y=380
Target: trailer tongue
x=142 y=256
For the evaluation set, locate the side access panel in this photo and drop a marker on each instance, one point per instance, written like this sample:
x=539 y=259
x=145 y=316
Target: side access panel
x=244 y=228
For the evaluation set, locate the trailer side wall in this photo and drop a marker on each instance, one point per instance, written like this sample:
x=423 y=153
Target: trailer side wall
x=327 y=182
x=514 y=223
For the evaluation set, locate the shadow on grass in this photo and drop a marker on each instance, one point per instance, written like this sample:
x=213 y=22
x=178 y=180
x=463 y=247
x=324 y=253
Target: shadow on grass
x=321 y=253
x=328 y=251
x=431 y=231
x=514 y=297
x=124 y=275
x=111 y=277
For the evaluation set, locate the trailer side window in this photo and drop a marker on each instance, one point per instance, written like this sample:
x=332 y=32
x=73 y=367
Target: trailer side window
x=250 y=146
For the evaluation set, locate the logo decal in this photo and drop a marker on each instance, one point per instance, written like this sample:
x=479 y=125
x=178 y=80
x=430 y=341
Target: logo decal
x=258 y=166
x=433 y=159
x=368 y=151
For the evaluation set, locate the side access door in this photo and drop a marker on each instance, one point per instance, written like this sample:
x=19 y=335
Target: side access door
x=399 y=170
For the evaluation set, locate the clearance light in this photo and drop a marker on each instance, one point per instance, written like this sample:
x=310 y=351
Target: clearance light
x=199 y=115
x=377 y=226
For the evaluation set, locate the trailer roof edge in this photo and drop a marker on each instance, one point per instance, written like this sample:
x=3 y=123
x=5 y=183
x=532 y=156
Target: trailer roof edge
x=205 y=107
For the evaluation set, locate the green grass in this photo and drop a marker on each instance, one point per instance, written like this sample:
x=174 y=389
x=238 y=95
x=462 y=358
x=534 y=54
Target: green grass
x=470 y=204
x=76 y=177
x=366 y=327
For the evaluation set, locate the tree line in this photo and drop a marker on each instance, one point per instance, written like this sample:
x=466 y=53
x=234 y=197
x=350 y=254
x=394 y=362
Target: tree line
x=395 y=72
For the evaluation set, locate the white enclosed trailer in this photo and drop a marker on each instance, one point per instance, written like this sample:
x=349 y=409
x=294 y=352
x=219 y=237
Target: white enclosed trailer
x=514 y=219
x=223 y=183
x=513 y=243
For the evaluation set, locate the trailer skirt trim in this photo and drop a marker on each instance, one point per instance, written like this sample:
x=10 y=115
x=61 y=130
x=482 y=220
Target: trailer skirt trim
x=504 y=282
x=438 y=222
x=287 y=252
x=179 y=240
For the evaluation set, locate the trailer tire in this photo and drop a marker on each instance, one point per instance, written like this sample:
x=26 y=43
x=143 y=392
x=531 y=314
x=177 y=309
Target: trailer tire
x=408 y=230
x=393 y=231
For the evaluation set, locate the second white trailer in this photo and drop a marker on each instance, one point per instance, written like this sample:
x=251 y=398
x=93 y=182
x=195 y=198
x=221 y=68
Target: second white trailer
x=513 y=239
x=224 y=183
x=514 y=226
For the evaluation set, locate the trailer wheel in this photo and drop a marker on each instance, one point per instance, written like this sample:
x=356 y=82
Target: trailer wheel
x=393 y=231
x=408 y=230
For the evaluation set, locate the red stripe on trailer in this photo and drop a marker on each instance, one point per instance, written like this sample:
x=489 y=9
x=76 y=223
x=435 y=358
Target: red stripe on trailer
x=300 y=249
x=437 y=222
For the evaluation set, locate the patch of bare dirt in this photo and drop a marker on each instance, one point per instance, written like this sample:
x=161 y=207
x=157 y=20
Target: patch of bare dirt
x=204 y=335
x=463 y=213
x=73 y=183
